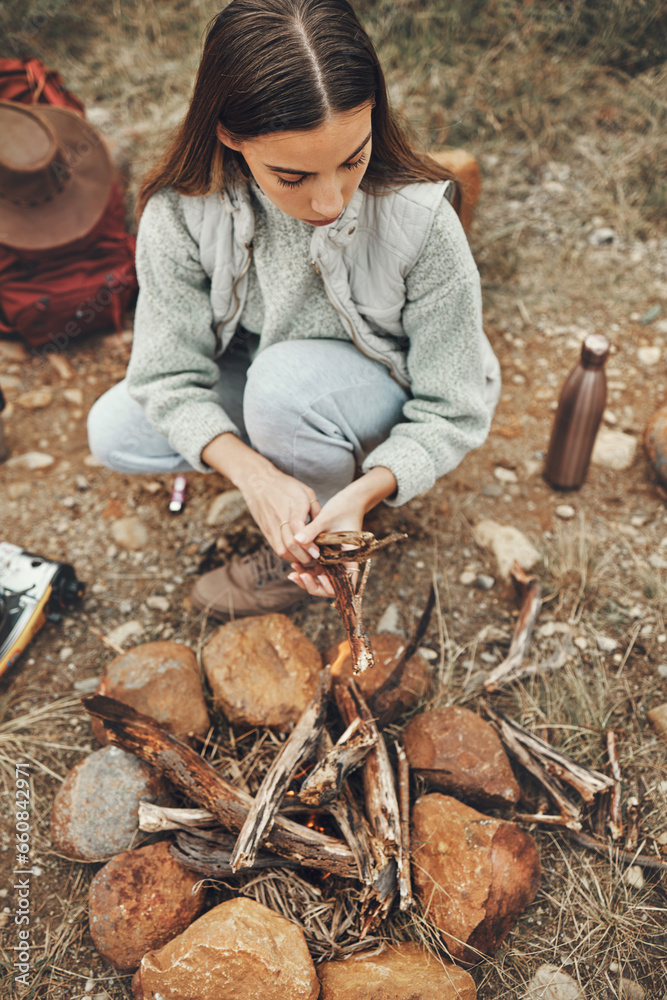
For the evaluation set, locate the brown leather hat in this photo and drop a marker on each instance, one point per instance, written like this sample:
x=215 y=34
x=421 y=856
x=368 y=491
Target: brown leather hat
x=55 y=176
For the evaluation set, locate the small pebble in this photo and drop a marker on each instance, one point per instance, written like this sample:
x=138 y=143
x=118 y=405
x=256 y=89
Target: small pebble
x=467 y=578
x=86 y=685
x=389 y=622
x=581 y=642
x=157 y=603
x=30 y=460
x=602 y=236
x=609 y=418
x=36 y=400
x=649 y=355
x=565 y=511
x=73 y=396
x=65 y=653
x=504 y=475
x=605 y=644
x=493 y=490
x=427 y=654
x=662 y=670
x=485 y=582
x=634 y=876
x=128 y=630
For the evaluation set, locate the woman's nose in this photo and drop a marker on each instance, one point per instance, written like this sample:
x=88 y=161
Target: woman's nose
x=328 y=201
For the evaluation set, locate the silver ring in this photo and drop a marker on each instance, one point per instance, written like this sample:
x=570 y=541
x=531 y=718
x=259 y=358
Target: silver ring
x=282 y=524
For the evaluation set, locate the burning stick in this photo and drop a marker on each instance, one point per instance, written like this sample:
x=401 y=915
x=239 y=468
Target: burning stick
x=531 y=602
x=325 y=781
x=360 y=546
x=615 y=815
x=201 y=783
x=297 y=747
x=380 y=790
x=374 y=870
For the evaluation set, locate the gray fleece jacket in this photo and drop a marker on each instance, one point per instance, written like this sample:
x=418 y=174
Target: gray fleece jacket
x=399 y=273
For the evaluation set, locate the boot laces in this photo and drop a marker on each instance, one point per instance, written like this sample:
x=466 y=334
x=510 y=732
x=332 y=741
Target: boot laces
x=265 y=566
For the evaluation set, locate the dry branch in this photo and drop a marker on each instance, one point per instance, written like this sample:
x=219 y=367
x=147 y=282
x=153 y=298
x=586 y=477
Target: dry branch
x=155 y=819
x=209 y=853
x=632 y=823
x=141 y=735
x=379 y=788
x=404 y=884
x=325 y=781
x=583 y=779
x=531 y=602
x=629 y=857
x=296 y=748
x=380 y=701
x=615 y=814
x=374 y=870
x=571 y=814
x=336 y=549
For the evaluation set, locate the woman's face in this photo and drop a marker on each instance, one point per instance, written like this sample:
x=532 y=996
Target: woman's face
x=311 y=175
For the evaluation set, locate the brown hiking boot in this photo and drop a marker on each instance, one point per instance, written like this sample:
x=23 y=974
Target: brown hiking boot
x=254 y=585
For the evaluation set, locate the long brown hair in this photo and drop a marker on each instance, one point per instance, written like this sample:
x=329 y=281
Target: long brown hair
x=277 y=66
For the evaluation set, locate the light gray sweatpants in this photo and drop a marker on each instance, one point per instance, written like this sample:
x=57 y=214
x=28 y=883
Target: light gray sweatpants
x=315 y=408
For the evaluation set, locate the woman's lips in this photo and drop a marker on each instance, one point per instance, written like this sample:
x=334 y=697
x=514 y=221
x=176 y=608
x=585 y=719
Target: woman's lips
x=320 y=222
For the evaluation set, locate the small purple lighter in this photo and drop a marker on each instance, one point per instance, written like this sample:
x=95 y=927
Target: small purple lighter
x=177 y=502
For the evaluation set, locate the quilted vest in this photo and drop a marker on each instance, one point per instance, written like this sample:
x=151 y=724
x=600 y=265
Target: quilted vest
x=363 y=260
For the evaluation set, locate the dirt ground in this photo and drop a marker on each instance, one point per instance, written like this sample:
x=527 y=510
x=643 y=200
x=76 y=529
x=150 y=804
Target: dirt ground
x=570 y=155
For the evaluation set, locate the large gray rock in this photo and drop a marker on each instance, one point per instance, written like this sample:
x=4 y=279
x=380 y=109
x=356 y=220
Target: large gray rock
x=95 y=812
x=460 y=753
x=262 y=671
x=138 y=902
x=474 y=875
x=239 y=950
x=402 y=972
x=160 y=679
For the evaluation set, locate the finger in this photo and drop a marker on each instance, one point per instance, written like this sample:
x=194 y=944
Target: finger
x=309 y=583
x=291 y=549
x=322 y=581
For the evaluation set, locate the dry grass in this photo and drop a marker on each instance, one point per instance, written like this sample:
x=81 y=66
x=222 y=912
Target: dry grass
x=545 y=87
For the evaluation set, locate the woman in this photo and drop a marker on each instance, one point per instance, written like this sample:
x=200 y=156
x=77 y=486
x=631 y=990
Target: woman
x=308 y=307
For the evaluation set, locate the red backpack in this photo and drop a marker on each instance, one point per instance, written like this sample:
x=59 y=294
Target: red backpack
x=49 y=297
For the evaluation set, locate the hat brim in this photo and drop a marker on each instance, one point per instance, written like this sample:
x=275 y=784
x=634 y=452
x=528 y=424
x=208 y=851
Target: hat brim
x=73 y=212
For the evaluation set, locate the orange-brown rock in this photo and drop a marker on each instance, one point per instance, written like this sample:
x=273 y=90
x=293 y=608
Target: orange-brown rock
x=160 y=679
x=657 y=718
x=387 y=649
x=460 y=753
x=138 y=902
x=473 y=874
x=239 y=950
x=96 y=809
x=400 y=972
x=262 y=671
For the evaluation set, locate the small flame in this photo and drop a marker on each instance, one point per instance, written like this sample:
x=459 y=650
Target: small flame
x=343 y=653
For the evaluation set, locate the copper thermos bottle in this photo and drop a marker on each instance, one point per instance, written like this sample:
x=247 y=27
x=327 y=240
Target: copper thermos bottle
x=580 y=408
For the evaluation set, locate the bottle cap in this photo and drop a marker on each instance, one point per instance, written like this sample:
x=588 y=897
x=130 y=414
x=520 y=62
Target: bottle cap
x=595 y=349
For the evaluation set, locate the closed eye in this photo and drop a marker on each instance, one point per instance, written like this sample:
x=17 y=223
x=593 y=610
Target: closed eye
x=347 y=166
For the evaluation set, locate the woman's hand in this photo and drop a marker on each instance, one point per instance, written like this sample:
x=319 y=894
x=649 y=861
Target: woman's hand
x=344 y=512
x=279 y=504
